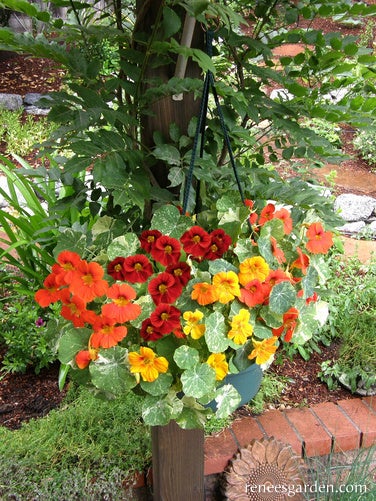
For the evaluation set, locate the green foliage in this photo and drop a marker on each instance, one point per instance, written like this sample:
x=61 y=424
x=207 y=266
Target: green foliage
x=87 y=449
x=365 y=144
x=24 y=334
x=351 y=474
x=330 y=131
x=22 y=134
x=352 y=322
x=270 y=392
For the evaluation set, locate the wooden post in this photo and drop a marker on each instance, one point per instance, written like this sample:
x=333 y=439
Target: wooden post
x=178 y=463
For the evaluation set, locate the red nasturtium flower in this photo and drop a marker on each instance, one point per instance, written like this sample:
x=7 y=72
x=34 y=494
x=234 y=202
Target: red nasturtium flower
x=148 y=239
x=74 y=309
x=50 y=294
x=121 y=308
x=275 y=277
x=106 y=333
x=164 y=288
x=254 y=293
x=84 y=357
x=180 y=271
x=196 y=241
x=166 y=250
x=220 y=243
x=149 y=332
x=137 y=268
x=115 y=268
x=67 y=263
x=165 y=318
x=87 y=281
x=290 y=321
x=310 y=299
x=253 y=216
x=285 y=217
x=302 y=262
x=319 y=241
x=266 y=214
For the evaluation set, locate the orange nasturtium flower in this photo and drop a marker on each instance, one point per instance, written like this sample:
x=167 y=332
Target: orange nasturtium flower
x=121 y=308
x=319 y=241
x=253 y=268
x=84 y=357
x=241 y=329
x=263 y=350
x=226 y=284
x=290 y=321
x=147 y=364
x=106 y=334
x=218 y=362
x=192 y=325
x=204 y=293
x=87 y=281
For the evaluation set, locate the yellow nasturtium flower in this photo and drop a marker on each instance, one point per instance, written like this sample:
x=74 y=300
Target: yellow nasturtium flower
x=253 y=268
x=192 y=326
x=147 y=364
x=263 y=350
x=226 y=285
x=241 y=329
x=218 y=362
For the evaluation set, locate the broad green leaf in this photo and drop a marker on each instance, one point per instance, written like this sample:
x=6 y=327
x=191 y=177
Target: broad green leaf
x=157 y=412
x=282 y=297
x=215 y=333
x=192 y=417
x=160 y=386
x=198 y=381
x=73 y=341
x=171 y=22
x=168 y=153
x=186 y=357
x=271 y=318
x=123 y=246
x=110 y=373
x=228 y=400
x=309 y=282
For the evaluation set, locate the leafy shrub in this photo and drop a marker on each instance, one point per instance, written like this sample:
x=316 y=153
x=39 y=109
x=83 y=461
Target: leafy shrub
x=24 y=334
x=365 y=143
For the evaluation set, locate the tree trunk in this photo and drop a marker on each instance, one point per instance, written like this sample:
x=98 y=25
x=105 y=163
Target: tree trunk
x=166 y=110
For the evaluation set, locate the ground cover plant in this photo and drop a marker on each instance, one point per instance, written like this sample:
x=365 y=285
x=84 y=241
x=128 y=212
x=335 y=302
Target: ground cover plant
x=353 y=287
x=87 y=449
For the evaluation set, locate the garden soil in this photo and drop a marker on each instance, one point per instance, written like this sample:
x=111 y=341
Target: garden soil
x=30 y=395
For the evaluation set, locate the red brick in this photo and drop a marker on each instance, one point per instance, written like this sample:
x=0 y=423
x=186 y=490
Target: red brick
x=316 y=441
x=370 y=401
x=345 y=434
x=276 y=425
x=218 y=450
x=245 y=430
x=363 y=417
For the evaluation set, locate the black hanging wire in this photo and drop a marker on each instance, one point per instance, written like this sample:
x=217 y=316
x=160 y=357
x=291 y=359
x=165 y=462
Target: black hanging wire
x=200 y=129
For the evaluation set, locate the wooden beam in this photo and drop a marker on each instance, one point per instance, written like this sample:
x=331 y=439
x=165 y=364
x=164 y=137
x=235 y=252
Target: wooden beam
x=178 y=463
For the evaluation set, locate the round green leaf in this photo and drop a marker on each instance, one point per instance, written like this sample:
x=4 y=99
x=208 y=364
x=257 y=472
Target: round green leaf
x=123 y=246
x=228 y=400
x=282 y=297
x=215 y=333
x=198 y=381
x=110 y=373
x=160 y=386
x=186 y=357
x=73 y=341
